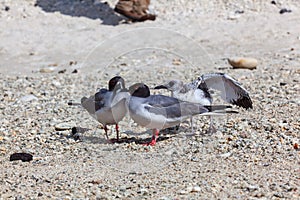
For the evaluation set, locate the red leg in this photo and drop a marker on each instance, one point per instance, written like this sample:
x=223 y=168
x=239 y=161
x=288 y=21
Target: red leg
x=116 y=140
x=106 y=129
x=117 y=130
x=154 y=138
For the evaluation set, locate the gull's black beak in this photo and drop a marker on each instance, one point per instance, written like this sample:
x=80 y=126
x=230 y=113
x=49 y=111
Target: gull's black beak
x=160 y=87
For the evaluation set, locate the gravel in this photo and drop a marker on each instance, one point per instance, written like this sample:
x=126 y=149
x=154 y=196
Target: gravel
x=253 y=154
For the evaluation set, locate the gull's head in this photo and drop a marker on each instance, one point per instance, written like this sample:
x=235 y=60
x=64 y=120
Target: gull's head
x=116 y=82
x=173 y=85
x=139 y=90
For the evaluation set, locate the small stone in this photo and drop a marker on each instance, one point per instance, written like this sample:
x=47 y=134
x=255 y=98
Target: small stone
x=6 y=8
x=2 y=149
x=195 y=159
x=47 y=70
x=239 y=12
x=56 y=83
x=273 y=2
x=72 y=62
x=243 y=63
x=252 y=188
x=165 y=198
x=233 y=16
x=182 y=192
x=64 y=126
x=225 y=155
x=143 y=191
x=28 y=98
x=25 y=157
x=284 y=10
x=196 y=189
x=279 y=195
x=189 y=189
x=122 y=188
x=75 y=71
x=282 y=84
x=95 y=182
x=177 y=61
x=62 y=71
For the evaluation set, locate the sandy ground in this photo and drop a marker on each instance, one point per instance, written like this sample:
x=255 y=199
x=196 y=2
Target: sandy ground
x=253 y=155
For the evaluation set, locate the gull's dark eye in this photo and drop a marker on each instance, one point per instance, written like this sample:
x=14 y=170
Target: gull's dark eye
x=172 y=83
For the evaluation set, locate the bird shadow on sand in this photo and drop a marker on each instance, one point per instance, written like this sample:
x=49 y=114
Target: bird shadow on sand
x=93 y=9
x=77 y=133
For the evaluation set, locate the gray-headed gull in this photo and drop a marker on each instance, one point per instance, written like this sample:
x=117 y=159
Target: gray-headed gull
x=108 y=106
x=199 y=91
x=159 y=112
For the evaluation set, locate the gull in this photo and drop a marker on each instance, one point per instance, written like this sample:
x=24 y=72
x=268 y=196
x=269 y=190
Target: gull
x=159 y=112
x=108 y=106
x=199 y=91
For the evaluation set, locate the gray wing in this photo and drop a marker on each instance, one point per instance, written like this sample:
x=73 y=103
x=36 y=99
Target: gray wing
x=173 y=108
x=231 y=90
x=94 y=102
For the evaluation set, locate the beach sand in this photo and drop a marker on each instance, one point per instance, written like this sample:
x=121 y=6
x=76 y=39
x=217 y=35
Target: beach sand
x=56 y=51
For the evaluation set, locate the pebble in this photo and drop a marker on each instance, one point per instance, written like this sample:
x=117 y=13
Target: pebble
x=233 y=16
x=183 y=192
x=25 y=157
x=143 y=191
x=196 y=189
x=193 y=189
x=47 y=70
x=284 y=10
x=226 y=155
x=123 y=188
x=177 y=62
x=243 y=63
x=64 y=126
x=28 y=98
x=56 y=84
x=2 y=149
x=62 y=71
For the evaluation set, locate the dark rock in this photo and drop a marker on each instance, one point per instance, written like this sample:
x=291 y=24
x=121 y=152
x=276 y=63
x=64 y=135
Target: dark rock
x=71 y=103
x=62 y=71
x=75 y=132
x=75 y=71
x=284 y=10
x=282 y=84
x=25 y=157
x=72 y=63
x=273 y=2
x=239 y=12
x=6 y=8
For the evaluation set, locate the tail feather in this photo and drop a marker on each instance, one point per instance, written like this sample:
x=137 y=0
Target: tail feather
x=219 y=110
x=217 y=107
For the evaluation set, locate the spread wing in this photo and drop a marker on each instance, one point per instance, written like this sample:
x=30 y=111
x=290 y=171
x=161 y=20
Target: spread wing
x=231 y=90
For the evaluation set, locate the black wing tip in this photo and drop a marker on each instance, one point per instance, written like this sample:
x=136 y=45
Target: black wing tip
x=244 y=102
x=160 y=87
x=217 y=107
